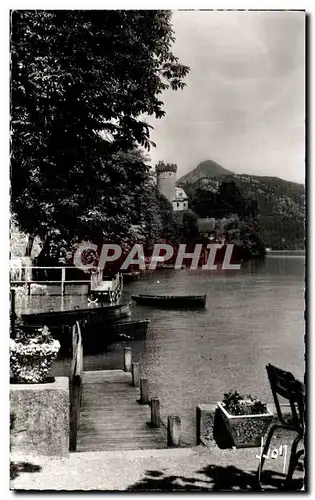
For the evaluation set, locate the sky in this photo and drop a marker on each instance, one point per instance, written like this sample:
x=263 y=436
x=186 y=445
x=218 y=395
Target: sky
x=243 y=104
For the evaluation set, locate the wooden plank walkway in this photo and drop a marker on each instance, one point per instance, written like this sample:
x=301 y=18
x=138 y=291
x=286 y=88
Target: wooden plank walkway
x=110 y=416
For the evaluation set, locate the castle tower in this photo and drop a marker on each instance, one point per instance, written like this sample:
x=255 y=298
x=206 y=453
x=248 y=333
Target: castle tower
x=166 y=179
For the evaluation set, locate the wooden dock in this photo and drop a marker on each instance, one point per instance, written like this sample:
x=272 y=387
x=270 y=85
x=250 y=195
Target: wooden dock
x=112 y=410
x=111 y=417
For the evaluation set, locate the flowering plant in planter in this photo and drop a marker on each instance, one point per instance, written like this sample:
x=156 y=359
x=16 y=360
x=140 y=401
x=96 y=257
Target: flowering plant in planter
x=246 y=418
x=32 y=354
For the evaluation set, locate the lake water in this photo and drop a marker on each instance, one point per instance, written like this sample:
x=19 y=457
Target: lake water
x=253 y=317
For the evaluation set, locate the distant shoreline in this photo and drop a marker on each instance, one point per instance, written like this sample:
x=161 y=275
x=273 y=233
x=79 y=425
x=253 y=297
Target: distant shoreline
x=302 y=252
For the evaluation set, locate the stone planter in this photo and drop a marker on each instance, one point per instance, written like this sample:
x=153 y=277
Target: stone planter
x=30 y=363
x=246 y=430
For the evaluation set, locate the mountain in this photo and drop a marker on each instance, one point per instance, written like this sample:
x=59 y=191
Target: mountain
x=206 y=168
x=280 y=203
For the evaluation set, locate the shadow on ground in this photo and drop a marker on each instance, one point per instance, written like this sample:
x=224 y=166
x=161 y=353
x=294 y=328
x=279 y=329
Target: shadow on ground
x=220 y=434
x=214 y=478
x=159 y=481
x=16 y=468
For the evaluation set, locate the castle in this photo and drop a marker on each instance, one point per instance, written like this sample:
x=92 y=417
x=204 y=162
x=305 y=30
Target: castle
x=166 y=184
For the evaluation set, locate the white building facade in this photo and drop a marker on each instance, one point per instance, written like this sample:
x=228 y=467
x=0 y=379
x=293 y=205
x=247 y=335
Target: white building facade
x=180 y=201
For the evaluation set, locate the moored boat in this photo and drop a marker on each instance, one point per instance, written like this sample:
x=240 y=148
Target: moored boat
x=130 y=276
x=93 y=313
x=169 y=301
x=132 y=329
x=171 y=266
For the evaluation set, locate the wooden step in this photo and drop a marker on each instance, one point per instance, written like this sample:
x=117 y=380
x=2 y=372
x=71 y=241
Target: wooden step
x=110 y=416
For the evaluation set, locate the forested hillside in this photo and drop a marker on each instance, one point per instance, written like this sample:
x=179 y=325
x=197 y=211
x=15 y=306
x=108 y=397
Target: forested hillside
x=279 y=205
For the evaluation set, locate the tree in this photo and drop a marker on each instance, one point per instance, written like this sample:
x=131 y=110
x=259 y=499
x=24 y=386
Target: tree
x=229 y=200
x=170 y=230
x=252 y=241
x=124 y=212
x=204 y=202
x=245 y=236
x=190 y=225
x=225 y=201
x=81 y=83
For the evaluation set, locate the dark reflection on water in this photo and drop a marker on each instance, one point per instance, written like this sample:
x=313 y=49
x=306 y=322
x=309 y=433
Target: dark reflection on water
x=254 y=316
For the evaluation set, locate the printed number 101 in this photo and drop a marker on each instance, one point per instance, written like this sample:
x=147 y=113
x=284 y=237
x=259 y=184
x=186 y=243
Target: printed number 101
x=282 y=451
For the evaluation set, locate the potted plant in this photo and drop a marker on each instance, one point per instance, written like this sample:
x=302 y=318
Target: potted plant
x=32 y=354
x=246 y=419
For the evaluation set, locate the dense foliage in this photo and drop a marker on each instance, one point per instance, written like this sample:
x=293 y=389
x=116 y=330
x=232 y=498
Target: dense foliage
x=19 y=241
x=40 y=335
x=225 y=201
x=81 y=83
x=278 y=206
x=236 y=404
x=32 y=353
x=235 y=217
x=243 y=234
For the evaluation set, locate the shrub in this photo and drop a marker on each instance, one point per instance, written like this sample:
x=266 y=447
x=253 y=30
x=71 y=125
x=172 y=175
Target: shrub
x=237 y=404
x=32 y=354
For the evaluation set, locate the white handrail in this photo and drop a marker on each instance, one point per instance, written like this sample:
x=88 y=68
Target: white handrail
x=28 y=279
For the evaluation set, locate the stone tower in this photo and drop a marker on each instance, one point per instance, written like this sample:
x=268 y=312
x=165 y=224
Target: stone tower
x=166 y=179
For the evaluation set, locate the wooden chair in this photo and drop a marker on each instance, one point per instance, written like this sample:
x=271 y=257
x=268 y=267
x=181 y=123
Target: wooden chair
x=284 y=384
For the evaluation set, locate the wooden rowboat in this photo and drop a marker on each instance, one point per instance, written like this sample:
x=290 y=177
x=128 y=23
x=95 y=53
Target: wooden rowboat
x=93 y=313
x=168 y=301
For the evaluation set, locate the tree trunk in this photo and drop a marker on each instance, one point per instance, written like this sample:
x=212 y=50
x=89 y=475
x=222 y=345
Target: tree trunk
x=43 y=259
x=29 y=245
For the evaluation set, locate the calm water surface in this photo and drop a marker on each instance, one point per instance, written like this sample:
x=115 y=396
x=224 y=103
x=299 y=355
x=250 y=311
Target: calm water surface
x=253 y=317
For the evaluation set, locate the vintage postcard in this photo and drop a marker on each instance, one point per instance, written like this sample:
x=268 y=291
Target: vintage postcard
x=157 y=250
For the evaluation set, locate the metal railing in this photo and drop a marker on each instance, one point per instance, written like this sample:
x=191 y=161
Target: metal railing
x=26 y=278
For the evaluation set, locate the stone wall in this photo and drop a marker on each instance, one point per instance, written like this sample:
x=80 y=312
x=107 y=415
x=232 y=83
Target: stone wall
x=40 y=418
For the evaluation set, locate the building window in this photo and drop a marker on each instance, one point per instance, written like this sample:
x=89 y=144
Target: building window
x=170 y=173
x=177 y=204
